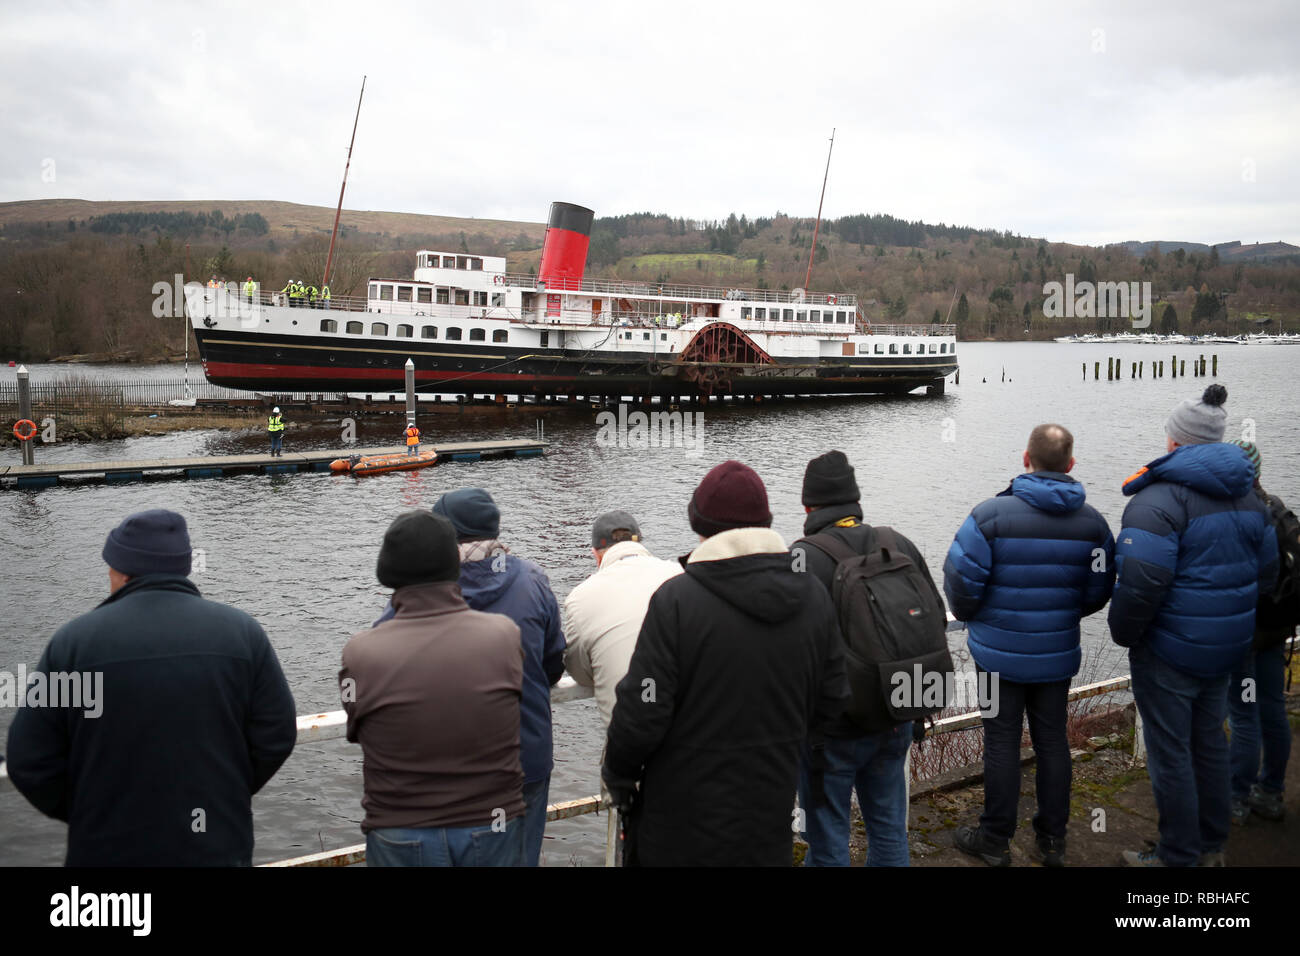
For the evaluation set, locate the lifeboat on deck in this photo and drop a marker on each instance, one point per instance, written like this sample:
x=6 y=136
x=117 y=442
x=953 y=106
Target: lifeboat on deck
x=378 y=464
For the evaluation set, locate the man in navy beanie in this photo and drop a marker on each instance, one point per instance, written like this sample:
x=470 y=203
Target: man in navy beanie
x=183 y=714
x=737 y=660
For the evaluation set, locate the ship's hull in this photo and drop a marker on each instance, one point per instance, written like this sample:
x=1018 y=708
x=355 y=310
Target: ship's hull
x=261 y=362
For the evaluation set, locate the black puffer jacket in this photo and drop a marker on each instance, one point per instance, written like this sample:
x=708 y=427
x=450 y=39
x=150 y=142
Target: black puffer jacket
x=737 y=660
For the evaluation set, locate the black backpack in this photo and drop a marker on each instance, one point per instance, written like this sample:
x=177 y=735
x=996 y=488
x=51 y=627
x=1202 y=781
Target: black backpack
x=1279 y=614
x=895 y=631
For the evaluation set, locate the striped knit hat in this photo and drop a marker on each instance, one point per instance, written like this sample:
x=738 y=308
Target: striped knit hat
x=1252 y=452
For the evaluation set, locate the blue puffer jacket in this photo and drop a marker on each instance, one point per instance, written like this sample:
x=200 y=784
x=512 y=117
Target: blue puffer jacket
x=521 y=591
x=1195 y=553
x=1023 y=569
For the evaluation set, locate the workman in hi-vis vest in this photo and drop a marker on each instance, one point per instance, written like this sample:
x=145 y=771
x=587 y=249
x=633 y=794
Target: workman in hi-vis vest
x=275 y=428
x=412 y=439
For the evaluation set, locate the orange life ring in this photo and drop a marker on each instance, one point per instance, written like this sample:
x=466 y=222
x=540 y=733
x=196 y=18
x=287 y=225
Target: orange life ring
x=30 y=430
x=830 y=300
x=499 y=280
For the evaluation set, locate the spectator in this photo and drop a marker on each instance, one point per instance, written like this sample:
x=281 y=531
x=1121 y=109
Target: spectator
x=603 y=614
x=737 y=661
x=185 y=714
x=1024 y=568
x=1259 y=717
x=494 y=580
x=1195 y=554
x=870 y=759
x=432 y=695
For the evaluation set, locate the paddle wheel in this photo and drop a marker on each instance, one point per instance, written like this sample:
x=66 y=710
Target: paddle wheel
x=715 y=354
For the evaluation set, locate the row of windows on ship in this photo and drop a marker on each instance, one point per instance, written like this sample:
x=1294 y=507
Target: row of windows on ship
x=428 y=295
x=796 y=315
x=456 y=334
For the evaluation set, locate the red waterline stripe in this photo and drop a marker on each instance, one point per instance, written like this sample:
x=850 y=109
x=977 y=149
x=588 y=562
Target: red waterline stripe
x=245 y=370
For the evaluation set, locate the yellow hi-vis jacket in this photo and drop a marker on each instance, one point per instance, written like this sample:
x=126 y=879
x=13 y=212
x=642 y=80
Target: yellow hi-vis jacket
x=274 y=423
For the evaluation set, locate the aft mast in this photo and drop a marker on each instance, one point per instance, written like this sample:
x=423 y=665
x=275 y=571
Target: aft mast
x=808 y=277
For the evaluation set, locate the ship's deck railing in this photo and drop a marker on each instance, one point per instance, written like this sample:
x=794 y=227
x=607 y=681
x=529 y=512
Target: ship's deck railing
x=655 y=290
x=876 y=328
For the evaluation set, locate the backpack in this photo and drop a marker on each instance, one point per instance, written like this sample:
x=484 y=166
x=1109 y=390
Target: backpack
x=895 y=632
x=1279 y=614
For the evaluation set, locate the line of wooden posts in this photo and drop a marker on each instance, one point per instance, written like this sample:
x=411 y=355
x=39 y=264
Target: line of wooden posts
x=1177 y=367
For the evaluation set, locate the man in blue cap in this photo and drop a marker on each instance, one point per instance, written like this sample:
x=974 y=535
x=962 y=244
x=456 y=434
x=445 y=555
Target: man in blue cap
x=194 y=717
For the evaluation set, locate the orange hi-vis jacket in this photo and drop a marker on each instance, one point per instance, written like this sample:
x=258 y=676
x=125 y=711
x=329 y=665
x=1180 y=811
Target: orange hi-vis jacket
x=412 y=435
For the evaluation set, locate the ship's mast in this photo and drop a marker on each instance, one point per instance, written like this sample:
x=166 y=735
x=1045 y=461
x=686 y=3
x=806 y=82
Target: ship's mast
x=329 y=258
x=808 y=278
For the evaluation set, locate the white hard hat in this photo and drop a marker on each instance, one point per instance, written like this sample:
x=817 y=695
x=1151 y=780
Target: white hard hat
x=276 y=410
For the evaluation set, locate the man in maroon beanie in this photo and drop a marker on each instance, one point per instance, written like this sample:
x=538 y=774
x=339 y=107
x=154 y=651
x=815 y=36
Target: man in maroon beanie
x=738 y=659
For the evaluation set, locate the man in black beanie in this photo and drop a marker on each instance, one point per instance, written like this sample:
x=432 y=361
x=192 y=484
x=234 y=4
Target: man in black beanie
x=432 y=695
x=870 y=759
x=193 y=702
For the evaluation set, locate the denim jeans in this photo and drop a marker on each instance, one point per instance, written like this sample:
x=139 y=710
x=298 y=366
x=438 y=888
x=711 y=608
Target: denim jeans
x=412 y=450
x=276 y=439
x=873 y=765
x=1187 y=755
x=1262 y=721
x=447 y=846
x=1045 y=704
x=535 y=795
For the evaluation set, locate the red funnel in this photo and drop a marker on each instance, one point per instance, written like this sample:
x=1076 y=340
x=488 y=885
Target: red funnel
x=564 y=251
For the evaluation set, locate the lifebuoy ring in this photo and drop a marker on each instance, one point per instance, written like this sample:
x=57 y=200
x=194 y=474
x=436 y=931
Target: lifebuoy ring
x=830 y=300
x=498 y=280
x=26 y=434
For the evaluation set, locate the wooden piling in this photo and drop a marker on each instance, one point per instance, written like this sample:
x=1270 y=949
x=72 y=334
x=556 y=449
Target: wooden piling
x=1110 y=369
x=1214 y=365
x=1096 y=371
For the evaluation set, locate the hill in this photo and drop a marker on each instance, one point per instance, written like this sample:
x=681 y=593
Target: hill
x=285 y=220
x=1233 y=251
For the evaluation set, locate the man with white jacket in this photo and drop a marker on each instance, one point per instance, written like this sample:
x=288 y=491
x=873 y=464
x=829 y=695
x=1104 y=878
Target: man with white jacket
x=603 y=614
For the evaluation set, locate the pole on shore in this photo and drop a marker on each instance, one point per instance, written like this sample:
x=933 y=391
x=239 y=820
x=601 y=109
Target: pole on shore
x=25 y=411
x=410 y=393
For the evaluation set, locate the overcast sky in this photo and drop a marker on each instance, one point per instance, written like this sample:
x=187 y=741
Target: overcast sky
x=1081 y=122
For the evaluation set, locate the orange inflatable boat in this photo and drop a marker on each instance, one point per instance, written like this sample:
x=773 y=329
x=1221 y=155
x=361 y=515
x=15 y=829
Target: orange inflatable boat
x=377 y=464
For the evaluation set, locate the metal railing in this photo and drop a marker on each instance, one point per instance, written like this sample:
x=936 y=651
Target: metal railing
x=654 y=290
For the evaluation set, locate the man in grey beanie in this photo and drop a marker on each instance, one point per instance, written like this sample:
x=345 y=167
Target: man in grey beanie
x=188 y=694
x=1195 y=553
